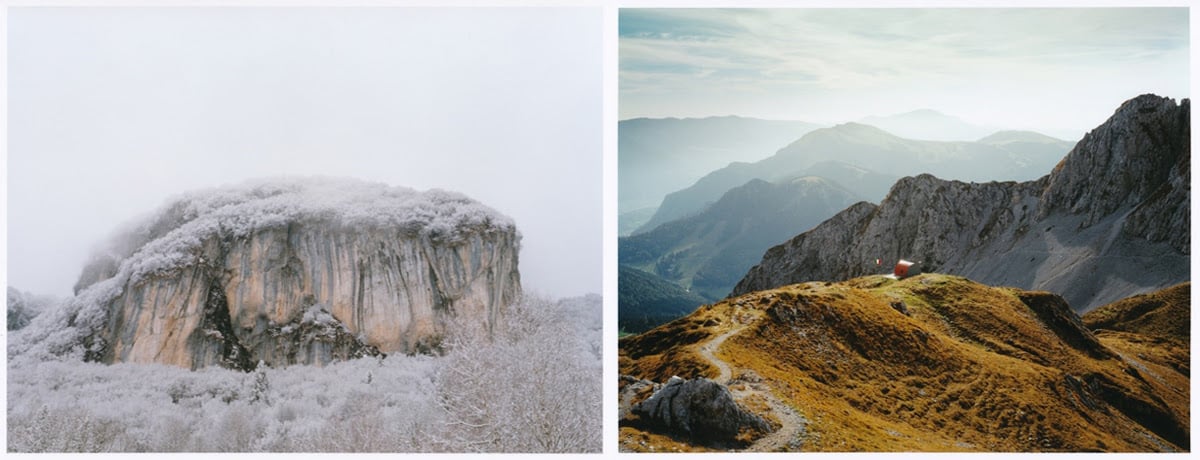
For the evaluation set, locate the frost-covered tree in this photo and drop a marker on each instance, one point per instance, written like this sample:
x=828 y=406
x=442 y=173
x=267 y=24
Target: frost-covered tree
x=530 y=386
x=534 y=385
x=23 y=307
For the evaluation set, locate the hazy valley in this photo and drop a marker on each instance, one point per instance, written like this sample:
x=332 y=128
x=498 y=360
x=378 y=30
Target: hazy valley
x=704 y=237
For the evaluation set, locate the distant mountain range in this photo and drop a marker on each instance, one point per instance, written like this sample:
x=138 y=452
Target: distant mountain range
x=657 y=156
x=690 y=241
x=1005 y=157
x=708 y=252
x=628 y=221
x=1111 y=220
x=928 y=124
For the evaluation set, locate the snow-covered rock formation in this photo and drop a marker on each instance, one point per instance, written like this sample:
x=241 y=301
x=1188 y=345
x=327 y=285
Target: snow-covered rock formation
x=289 y=271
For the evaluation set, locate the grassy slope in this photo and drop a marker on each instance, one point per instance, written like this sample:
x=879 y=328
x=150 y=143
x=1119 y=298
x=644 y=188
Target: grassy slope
x=1153 y=333
x=972 y=368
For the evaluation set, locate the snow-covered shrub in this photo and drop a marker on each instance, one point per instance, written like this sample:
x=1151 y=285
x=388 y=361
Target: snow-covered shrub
x=140 y=407
x=530 y=386
x=534 y=386
x=23 y=307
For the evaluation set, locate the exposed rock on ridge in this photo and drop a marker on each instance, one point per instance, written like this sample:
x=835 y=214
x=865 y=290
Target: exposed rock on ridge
x=1111 y=220
x=699 y=409
x=295 y=272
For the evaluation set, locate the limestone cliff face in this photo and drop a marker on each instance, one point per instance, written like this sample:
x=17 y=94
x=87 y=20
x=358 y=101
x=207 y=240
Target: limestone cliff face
x=1110 y=221
x=300 y=272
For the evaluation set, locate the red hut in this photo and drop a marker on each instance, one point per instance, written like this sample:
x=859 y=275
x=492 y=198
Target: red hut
x=905 y=269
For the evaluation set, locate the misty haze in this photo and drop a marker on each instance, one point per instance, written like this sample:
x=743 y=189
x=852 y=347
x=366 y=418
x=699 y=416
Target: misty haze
x=304 y=230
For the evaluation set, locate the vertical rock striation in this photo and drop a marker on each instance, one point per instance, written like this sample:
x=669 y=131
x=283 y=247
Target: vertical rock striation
x=298 y=272
x=1110 y=221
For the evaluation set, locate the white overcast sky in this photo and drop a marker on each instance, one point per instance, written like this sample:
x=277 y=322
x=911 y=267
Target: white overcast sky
x=113 y=110
x=1058 y=71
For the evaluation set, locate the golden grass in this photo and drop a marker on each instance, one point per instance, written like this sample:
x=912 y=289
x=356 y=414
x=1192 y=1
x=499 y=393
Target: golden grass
x=636 y=440
x=971 y=368
x=1164 y=314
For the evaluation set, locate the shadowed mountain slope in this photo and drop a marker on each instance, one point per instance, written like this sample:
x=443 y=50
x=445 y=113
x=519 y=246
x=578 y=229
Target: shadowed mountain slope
x=660 y=155
x=870 y=148
x=646 y=300
x=708 y=252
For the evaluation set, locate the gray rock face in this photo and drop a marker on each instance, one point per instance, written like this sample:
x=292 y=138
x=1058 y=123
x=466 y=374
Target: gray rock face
x=284 y=274
x=701 y=410
x=1141 y=153
x=1110 y=221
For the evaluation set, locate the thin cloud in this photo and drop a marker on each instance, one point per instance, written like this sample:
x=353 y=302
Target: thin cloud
x=787 y=57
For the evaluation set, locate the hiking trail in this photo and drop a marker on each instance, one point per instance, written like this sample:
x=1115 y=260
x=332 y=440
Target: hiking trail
x=793 y=425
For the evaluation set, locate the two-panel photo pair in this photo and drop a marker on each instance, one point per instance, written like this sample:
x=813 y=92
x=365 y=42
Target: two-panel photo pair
x=597 y=229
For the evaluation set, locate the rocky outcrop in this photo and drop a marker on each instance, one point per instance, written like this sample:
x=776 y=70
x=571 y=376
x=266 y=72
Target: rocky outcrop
x=700 y=410
x=1111 y=220
x=1140 y=158
x=297 y=272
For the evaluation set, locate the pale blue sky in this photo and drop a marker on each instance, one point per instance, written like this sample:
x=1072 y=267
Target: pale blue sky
x=113 y=110
x=1054 y=70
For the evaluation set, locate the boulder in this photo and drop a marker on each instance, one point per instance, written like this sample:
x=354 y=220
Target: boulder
x=701 y=410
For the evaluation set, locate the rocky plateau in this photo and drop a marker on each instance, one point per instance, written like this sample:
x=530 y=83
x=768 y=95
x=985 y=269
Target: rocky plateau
x=290 y=271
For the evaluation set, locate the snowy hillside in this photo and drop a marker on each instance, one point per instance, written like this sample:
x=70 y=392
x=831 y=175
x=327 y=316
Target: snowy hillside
x=306 y=315
x=534 y=388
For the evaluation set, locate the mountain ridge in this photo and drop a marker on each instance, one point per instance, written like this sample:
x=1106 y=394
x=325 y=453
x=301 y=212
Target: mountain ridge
x=659 y=155
x=1120 y=195
x=928 y=124
x=707 y=252
x=871 y=148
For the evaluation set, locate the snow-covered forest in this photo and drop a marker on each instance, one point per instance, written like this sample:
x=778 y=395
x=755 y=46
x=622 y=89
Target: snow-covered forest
x=532 y=386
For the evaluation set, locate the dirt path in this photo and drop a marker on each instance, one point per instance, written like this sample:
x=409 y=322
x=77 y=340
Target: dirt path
x=793 y=424
x=707 y=352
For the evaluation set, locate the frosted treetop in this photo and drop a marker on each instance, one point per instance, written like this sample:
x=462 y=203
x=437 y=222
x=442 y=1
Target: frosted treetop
x=268 y=203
